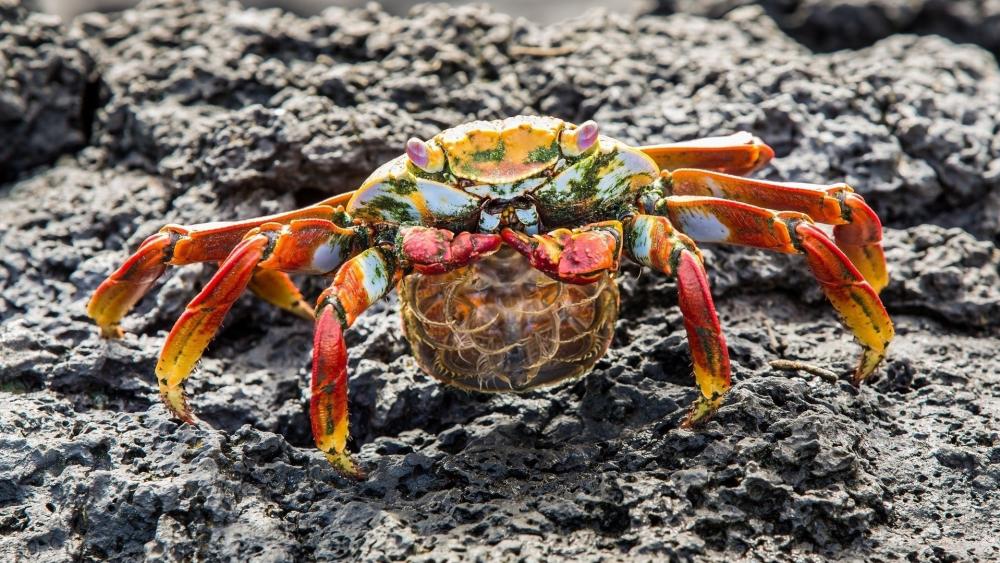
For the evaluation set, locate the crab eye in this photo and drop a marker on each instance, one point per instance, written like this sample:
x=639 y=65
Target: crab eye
x=425 y=156
x=578 y=141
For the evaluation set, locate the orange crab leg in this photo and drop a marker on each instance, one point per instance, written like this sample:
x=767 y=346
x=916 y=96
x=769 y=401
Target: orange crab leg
x=361 y=281
x=174 y=245
x=573 y=256
x=740 y=153
x=308 y=246
x=858 y=231
x=122 y=290
x=717 y=220
x=652 y=241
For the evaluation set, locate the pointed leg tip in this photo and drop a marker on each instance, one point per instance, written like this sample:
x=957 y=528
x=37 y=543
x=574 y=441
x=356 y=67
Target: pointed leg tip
x=344 y=465
x=876 y=276
x=176 y=402
x=112 y=332
x=764 y=156
x=860 y=377
x=870 y=361
x=701 y=412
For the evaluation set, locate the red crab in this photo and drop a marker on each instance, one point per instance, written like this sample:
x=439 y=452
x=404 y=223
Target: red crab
x=569 y=201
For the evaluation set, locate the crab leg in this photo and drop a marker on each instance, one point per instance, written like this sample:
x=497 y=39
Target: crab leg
x=306 y=245
x=652 y=241
x=740 y=153
x=361 y=281
x=858 y=231
x=279 y=290
x=177 y=245
x=573 y=256
x=717 y=220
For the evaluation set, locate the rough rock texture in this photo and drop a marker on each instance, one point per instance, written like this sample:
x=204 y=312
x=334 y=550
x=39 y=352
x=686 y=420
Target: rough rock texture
x=47 y=91
x=217 y=112
x=827 y=25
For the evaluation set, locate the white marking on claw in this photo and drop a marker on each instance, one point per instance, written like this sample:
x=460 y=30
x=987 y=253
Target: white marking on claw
x=703 y=227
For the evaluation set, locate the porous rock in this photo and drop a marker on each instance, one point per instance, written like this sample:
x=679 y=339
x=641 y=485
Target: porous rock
x=48 y=92
x=827 y=25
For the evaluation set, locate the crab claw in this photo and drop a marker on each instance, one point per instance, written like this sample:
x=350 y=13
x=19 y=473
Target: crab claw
x=579 y=256
x=436 y=251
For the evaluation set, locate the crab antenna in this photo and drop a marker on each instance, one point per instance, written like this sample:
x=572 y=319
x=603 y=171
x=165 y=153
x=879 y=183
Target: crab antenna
x=416 y=151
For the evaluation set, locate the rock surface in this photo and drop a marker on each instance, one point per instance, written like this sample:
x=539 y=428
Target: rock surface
x=47 y=90
x=211 y=111
x=828 y=25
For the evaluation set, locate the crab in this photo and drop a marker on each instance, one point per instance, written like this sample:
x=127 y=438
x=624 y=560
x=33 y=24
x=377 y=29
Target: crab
x=504 y=238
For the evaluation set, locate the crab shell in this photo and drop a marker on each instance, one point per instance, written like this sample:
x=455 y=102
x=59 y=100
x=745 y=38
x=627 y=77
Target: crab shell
x=530 y=174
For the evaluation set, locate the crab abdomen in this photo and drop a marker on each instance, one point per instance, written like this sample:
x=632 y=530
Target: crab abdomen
x=500 y=325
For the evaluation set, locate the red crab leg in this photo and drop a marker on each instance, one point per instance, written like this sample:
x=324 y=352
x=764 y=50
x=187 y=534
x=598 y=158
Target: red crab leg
x=652 y=241
x=175 y=245
x=307 y=245
x=858 y=231
x=717 y=220
x=573 y=256
x=741 y=153
x=363 y=280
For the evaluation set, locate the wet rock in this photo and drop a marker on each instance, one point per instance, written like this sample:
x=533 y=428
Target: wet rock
x=212 y=111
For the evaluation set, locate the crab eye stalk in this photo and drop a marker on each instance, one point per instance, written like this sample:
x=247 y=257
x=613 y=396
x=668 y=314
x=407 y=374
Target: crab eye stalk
x=425 y=156
x=578 y=141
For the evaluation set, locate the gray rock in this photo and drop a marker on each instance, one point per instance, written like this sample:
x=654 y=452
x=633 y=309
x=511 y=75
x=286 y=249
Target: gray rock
x=211 y=111
x=48 y=92
x=827 y=25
